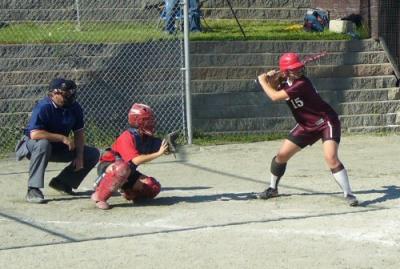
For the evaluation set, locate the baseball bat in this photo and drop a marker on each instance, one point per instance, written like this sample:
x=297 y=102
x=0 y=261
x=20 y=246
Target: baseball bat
x=307 y=59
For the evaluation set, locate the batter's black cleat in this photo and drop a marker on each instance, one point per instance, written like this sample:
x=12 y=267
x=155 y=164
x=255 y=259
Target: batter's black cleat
x=61 y=187
x=351 y=200
x=34 y=195
x=267 y=194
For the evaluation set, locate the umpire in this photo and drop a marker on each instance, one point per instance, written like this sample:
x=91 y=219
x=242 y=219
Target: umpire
x=47 y=138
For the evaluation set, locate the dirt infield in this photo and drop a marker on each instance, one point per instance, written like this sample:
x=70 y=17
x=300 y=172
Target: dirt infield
x=204 y=218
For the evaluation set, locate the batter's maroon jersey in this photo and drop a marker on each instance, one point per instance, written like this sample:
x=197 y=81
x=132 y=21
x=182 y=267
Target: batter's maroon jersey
x=307 y=106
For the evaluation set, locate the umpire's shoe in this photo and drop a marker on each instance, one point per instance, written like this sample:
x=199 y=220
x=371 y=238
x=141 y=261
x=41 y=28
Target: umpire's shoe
x=61 y=187
x=268 y=193
x=34 y=195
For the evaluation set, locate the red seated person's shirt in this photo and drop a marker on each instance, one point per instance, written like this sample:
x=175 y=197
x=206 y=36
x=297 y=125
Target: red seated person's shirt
x=125 y=146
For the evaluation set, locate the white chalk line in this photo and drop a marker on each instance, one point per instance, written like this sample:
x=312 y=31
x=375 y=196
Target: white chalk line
x=361 y=236
x=356 y=235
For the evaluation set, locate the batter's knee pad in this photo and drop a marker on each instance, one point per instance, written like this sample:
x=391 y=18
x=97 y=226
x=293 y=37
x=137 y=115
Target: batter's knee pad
x=277 y=169
x=112 y=180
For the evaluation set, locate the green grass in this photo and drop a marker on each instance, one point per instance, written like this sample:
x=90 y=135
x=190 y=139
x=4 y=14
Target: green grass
x=263 y=30
x=87 y=33
x=68 y=32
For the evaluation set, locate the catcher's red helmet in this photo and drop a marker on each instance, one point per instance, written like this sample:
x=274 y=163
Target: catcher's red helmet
x=290 y=61
x=141 y=116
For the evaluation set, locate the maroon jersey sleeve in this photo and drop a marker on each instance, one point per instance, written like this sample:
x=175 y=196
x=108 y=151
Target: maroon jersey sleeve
x=307 y=106
x=125 y=146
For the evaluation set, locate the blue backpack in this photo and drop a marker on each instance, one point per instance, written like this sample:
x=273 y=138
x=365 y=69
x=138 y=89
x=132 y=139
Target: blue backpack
x=316 y=20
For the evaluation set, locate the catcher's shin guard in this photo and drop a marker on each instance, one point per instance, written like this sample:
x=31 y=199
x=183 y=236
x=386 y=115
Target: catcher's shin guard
x=112 y=181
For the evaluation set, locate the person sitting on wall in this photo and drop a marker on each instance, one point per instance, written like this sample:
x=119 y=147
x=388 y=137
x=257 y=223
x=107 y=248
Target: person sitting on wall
x=173 y=10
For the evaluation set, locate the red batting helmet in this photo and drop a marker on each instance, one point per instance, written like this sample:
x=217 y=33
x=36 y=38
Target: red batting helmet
x=290 y=61
x=141 y=116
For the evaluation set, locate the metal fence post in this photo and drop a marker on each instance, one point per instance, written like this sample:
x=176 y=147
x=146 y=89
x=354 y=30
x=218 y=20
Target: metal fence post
x=78 y=16
x=187 y=72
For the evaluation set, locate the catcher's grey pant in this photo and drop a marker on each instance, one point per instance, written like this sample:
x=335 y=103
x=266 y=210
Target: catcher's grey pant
x=41 y=152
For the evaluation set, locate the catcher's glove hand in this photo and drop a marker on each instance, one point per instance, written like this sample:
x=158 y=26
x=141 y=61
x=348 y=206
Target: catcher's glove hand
x=171 y=142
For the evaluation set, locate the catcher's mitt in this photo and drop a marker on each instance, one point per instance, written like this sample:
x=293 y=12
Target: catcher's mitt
x=171 y=141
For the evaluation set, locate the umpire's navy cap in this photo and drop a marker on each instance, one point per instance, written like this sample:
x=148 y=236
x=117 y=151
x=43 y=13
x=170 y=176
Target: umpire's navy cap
x=62 y=84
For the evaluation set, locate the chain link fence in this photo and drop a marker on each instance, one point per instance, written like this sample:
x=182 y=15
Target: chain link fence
x=116 y=50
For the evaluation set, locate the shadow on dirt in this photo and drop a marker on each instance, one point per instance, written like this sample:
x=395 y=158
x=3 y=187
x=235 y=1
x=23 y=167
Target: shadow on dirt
x=389 y=193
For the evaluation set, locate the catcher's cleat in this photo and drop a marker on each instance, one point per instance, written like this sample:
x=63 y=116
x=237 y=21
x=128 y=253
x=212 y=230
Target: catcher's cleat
x=171 y=141
x=61 y=187
x=267 y=194
x=351 y=200
x=100 y=204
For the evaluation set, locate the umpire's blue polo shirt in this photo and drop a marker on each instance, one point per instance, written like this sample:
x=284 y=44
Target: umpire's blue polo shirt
x=47 y=116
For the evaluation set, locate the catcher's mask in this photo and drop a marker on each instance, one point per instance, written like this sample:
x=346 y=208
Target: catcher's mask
x=66 y=88
x=290 y=61
x=141 y=117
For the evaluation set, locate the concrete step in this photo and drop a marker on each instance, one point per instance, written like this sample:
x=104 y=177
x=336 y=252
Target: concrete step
x=245 y=125
x=103 y=77
x=345 y=97
x=29 y=4
x=31 y=91
x=153 y=61
x=267 y=109
x=16 y=105
x=257 y=4
x=371 y=107
x=322 y=84
x=18 y=120
x=128 y=10
x=284 y=124
x=71 y=4
x=363 y=120
x=381 y=94
x=320 y=71
x=127 y=14
x=279 y=46
x=120 y=51
x=22 y=91
x=375 y=129
x=271 y=59
x=47 y=4
x=335 y=97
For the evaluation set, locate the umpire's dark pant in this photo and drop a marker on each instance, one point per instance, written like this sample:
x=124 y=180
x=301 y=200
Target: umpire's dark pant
x=41 y=152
